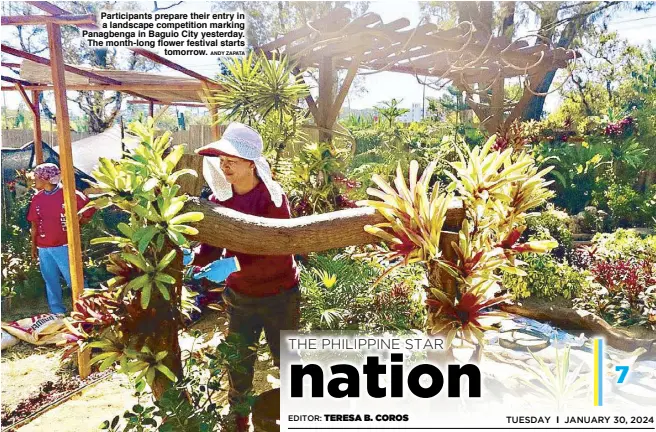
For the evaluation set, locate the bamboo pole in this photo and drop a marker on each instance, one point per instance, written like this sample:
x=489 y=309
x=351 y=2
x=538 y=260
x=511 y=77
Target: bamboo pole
x=68 y=176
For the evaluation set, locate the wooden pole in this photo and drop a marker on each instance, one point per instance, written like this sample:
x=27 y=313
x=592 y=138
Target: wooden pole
x=68 y=176
x=326 y=73
x=19 y=20
x=151 y=109
x=214 y=119
x=38 y=148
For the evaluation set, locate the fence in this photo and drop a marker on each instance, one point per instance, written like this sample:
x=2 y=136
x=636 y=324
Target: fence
x=16 y=138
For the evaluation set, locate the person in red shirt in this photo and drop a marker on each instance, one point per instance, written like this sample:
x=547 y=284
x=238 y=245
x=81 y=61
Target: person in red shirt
x=264 y=293
x=49 y=241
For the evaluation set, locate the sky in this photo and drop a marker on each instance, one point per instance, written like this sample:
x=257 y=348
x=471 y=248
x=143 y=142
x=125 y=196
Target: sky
x=637 y=28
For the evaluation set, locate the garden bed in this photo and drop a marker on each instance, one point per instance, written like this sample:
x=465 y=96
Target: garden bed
x=33 y=379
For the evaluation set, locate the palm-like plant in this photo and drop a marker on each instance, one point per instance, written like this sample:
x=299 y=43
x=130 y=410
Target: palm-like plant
x=237 y=96
x=390 y=110
x=265 y=94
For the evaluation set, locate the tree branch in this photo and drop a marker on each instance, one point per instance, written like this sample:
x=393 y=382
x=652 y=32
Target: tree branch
x=157 y=8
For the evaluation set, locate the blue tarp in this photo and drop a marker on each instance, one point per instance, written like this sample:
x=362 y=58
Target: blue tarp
x=24 y=159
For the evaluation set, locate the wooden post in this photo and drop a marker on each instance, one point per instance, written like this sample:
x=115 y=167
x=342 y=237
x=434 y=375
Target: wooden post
x=497 y=105
x=68 y=175
x=326 y=74
x=151 y=109
x=214 y=118
x=38 y=148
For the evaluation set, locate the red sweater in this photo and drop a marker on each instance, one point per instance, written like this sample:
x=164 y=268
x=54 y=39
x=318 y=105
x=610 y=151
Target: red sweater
x=47 y=210
x=260 y=275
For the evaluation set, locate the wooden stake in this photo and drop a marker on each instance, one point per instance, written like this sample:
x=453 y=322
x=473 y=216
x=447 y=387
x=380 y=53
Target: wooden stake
x=68 y=176
x=38 y=147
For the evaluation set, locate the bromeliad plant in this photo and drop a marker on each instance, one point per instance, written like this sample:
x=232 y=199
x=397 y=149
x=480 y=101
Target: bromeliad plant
x=135 y=320
x=497 y=189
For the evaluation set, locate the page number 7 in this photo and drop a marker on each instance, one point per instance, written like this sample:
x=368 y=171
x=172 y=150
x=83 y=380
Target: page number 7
x=623 y=370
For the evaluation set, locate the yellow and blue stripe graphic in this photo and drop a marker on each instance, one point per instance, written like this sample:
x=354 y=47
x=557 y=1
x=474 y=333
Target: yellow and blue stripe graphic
x=598 y=355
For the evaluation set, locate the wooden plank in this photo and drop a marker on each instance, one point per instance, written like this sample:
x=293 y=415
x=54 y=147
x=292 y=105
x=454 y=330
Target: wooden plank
x=25 y=97
x=45 y=19
x=38 y=146
x=55 y=10
x=343 y=91
x=335 y=16
x=68 y=176
x=184 y=104
x=111 y=87
x=68 y=68
x=16 y=81
x=214 y=116
x=161 y=60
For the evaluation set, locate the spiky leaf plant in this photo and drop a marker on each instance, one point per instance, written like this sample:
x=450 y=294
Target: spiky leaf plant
x=497 y=189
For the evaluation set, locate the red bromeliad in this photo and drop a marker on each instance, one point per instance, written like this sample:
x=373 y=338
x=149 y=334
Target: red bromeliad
x=467 y=315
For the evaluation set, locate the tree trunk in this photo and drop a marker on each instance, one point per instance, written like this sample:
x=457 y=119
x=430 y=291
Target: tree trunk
x=535 y=107
x=166 y=323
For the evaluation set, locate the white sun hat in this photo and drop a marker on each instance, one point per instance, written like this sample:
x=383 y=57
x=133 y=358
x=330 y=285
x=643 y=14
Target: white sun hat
x=243 y=142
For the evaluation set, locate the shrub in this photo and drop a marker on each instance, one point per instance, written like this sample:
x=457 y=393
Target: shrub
x=624 y=267
x=340 y=293
x=624 y=243
x=366 y=139
x=551 y=223
x=548 y=277
x=626 y=206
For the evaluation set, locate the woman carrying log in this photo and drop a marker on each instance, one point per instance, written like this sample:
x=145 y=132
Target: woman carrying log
x=264 y=293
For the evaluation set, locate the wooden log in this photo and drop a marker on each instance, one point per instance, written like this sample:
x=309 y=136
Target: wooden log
x=583 y=320
x=45 y=19
x=68 y=177
x=239 y=232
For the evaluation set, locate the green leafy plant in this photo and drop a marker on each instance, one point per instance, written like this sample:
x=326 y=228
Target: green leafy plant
x=547 y=277
x=339 y=294
x=134 y=320
x=554 y=224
